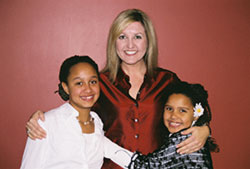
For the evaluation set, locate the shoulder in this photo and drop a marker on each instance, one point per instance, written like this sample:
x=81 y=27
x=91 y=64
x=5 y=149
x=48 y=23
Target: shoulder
x=104 y=79
x=200 y=158
x=160 y=70
x=165 y=75
x=96 y=117
x=104 y=75
x=58 y=111
x=176 y=138
x=61 y=112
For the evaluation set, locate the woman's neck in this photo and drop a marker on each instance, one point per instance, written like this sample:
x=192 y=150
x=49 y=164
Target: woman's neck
x=138 y=69
x=136 y=76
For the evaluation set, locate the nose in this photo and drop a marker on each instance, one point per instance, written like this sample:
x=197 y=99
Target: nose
x=174 y=115
x=87 y=87
x=130 y=43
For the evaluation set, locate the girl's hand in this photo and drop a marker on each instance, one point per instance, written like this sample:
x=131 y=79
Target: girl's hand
x=195 y=142
x=34 y=130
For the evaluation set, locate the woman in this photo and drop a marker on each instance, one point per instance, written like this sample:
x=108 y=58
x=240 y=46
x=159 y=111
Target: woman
x=186 y=106
x=132 y=89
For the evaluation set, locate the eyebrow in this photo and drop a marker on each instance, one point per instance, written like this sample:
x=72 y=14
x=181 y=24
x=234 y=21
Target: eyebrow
x=81 y=78
x=142 y=33
x=184 y=108
x=178 y=107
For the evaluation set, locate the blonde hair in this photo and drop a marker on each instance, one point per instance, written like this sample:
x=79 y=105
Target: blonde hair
x=119 y=24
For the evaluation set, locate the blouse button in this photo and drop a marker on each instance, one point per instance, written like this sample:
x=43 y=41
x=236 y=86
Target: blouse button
x=136 y=120
x=137 y=136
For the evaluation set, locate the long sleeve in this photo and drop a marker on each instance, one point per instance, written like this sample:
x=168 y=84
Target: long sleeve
x=133 y=123
x=65 y=145
x=117 y=154
x=167 y=157
x=34 y=155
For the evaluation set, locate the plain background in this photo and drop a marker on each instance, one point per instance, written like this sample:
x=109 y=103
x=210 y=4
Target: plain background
x=204 y=41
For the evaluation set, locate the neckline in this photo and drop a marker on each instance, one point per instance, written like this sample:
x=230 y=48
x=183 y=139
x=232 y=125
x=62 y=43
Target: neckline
x=86 y=122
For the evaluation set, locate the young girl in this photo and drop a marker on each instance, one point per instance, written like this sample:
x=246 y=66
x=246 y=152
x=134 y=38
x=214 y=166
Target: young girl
x=186 y=106
x=75 y=134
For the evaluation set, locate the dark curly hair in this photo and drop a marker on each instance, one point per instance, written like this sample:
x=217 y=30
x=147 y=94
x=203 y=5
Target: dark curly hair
x=197 y=94
x=65 y=71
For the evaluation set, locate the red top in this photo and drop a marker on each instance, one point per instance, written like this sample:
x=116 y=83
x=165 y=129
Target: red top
x=133 y=124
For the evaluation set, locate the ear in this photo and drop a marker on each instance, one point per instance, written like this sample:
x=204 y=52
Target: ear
x=65 y=87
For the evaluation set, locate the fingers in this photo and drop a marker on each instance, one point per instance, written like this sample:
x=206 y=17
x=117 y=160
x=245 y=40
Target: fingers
x=188 y=146
x=185 y=146
x=30 y=135
x=41 y=115
x=188 y=131
x=34 y=130
x=195 y=142
x=37 y=115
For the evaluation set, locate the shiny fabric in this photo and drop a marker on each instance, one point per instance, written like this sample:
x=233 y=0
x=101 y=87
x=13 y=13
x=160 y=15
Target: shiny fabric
x=134 y=124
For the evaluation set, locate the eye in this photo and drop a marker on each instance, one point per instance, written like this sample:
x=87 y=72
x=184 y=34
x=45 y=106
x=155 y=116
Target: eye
x=79 y=83
x=122 y=37
x=183 y=110
x=138 y=37
x=93 y=82
x=168 y=108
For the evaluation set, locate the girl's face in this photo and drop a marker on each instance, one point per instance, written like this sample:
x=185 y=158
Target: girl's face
x=178 y=113
x=83 y=86
x=131 y=44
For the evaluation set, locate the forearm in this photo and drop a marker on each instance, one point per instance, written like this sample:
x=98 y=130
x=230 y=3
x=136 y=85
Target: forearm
x=161 y=161
x=156 y=159
x=117 y=154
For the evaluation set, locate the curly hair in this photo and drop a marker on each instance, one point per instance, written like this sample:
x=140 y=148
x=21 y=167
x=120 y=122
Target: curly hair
x=197 y=94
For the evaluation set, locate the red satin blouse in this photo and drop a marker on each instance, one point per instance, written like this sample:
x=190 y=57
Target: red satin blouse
x=133 y=123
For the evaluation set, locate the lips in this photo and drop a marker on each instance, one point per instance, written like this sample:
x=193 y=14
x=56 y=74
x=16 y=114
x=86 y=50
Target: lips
x=174 y=124
x=87 y=98
x=130 y=52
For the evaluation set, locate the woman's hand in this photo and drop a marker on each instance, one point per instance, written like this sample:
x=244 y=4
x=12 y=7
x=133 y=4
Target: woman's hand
x=34 y=130
x=195 y=142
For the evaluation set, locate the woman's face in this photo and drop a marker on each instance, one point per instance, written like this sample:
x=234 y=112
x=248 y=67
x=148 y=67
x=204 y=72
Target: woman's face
x=83 y=86
x=178 y=113
x=131 y=44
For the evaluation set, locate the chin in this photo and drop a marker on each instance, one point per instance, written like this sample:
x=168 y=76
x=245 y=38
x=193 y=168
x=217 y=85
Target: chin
x=175 y=130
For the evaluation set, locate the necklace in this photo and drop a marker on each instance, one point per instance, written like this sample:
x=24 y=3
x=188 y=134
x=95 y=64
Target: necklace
x=86 y=122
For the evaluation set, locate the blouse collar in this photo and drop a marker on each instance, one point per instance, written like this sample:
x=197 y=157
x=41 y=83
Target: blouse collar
x=70 y=111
